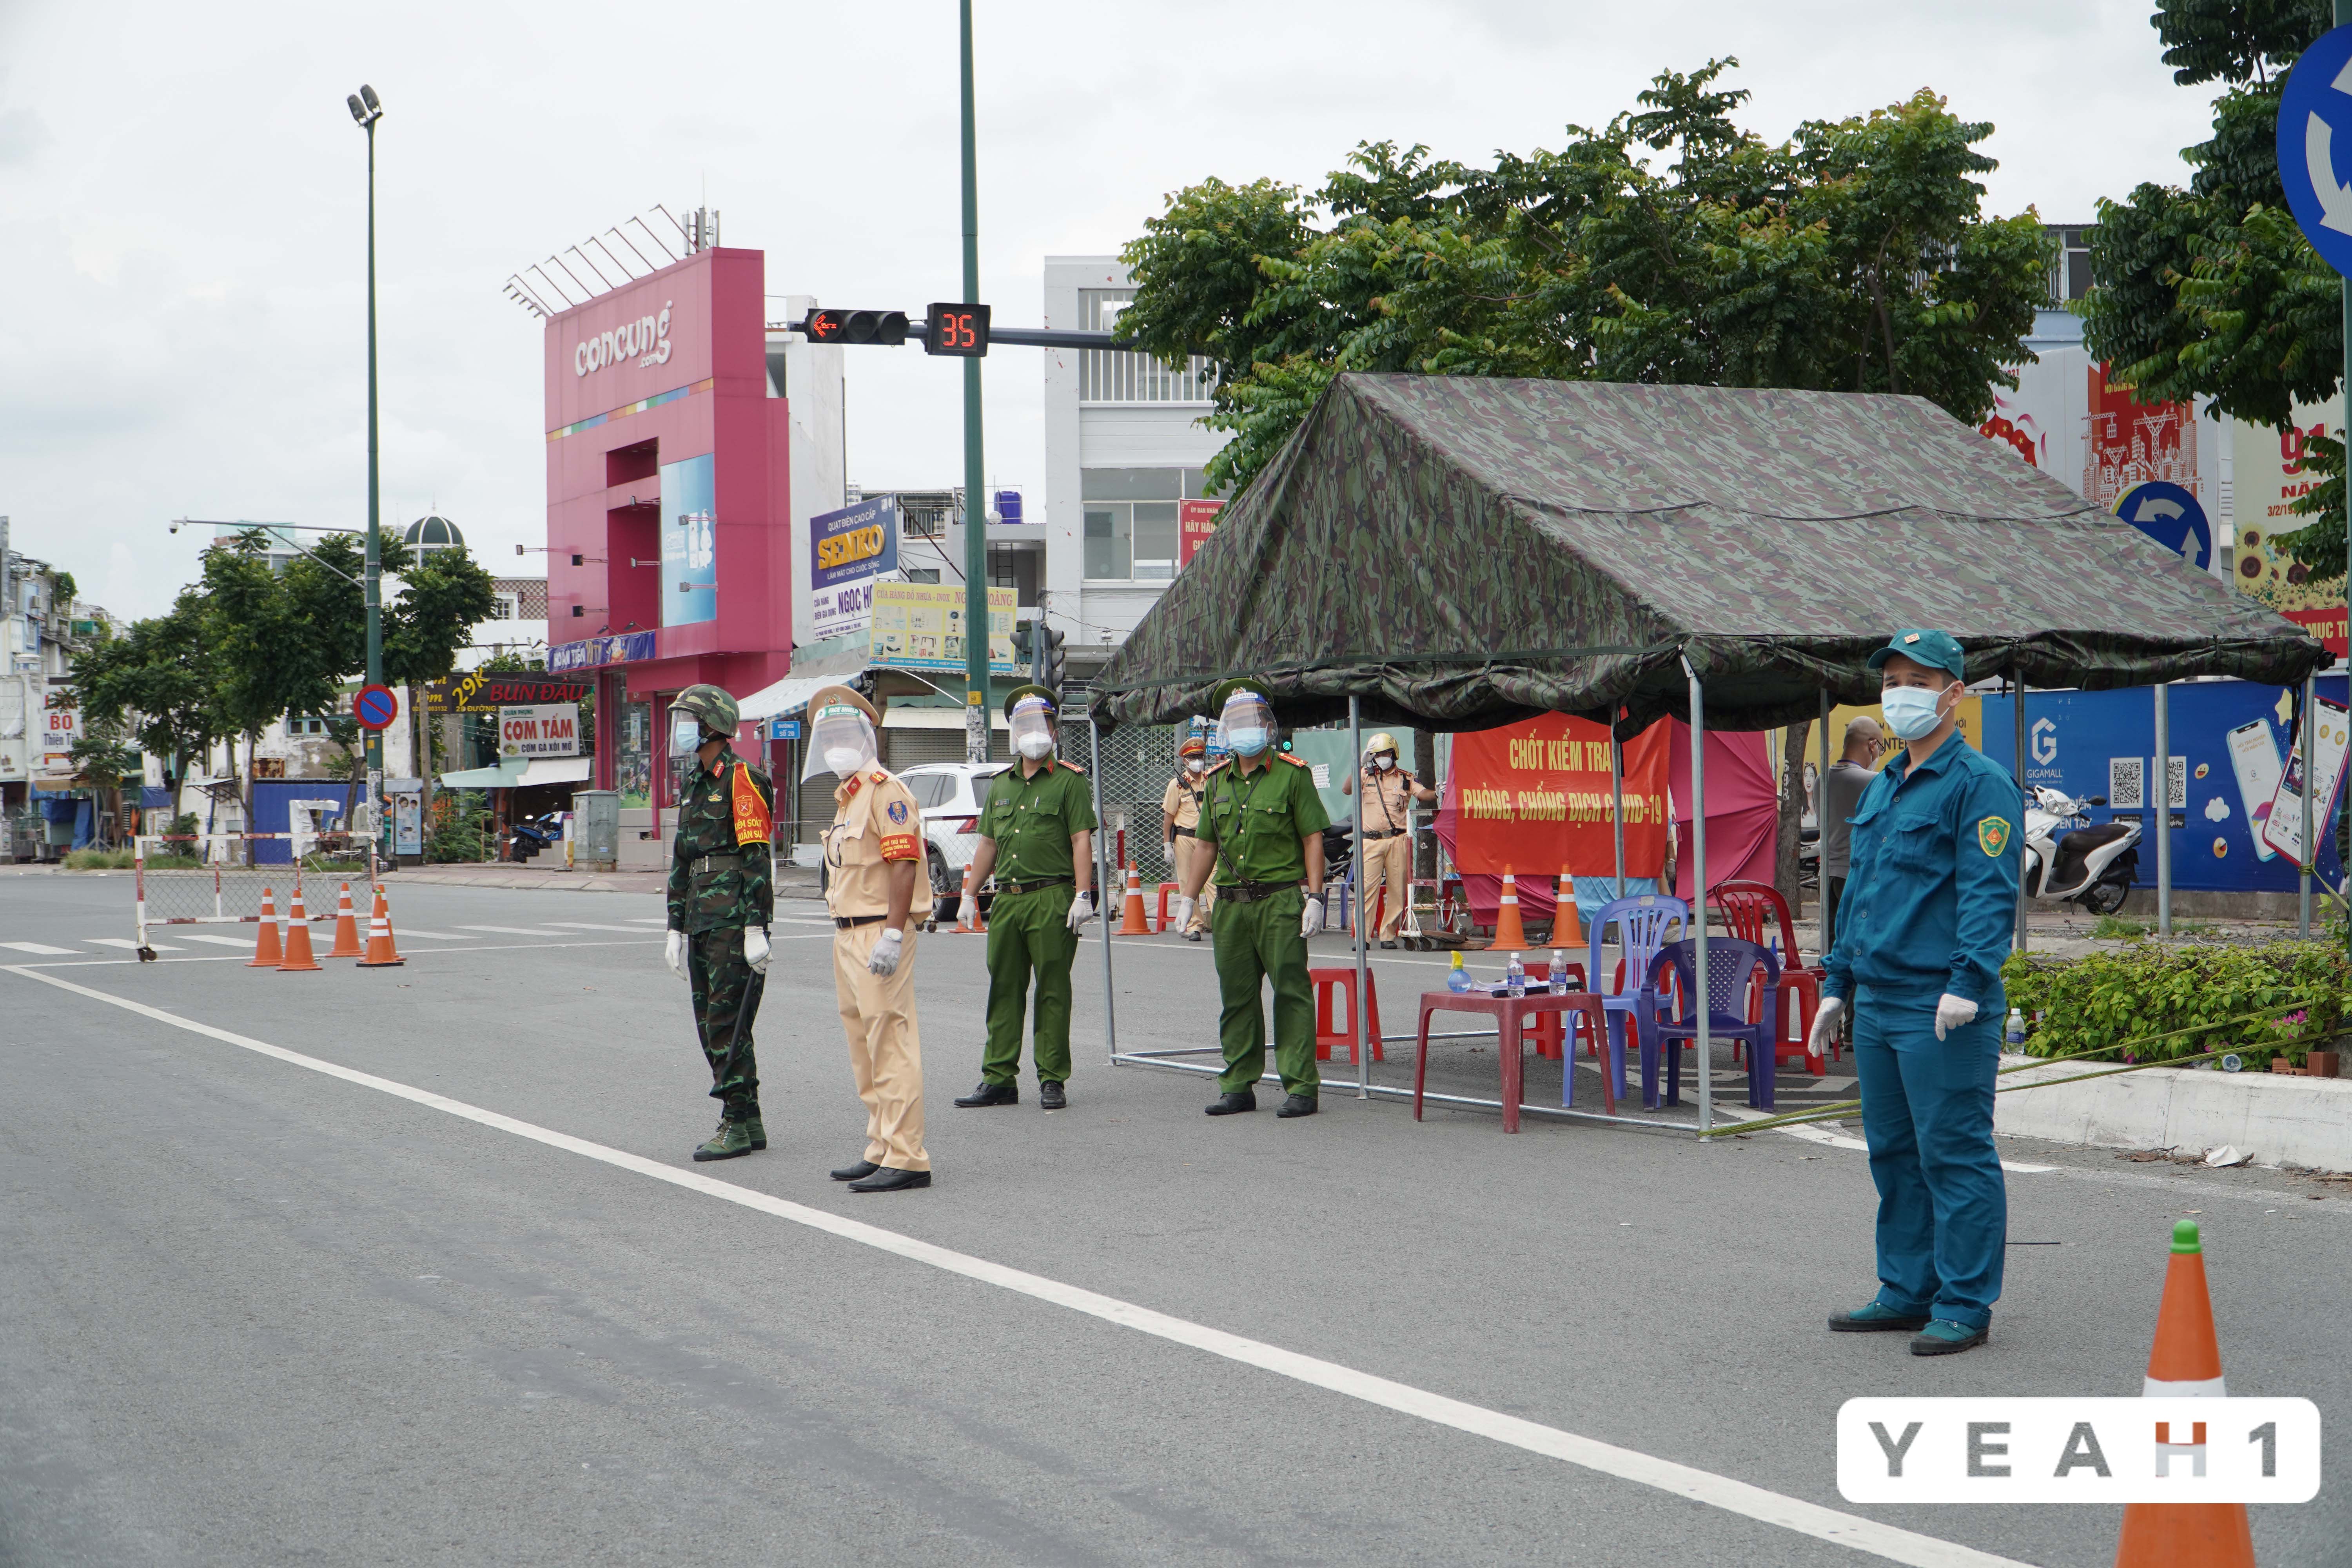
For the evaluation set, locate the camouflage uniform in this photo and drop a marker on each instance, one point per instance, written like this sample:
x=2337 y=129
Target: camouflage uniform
x=715 y=890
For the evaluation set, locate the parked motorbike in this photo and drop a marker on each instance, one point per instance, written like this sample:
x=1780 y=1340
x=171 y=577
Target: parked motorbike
x=531 y=834
x=2069 y=861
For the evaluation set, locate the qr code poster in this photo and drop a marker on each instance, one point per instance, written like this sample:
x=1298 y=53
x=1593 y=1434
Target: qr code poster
x=2126 y=783
x=2176 y=784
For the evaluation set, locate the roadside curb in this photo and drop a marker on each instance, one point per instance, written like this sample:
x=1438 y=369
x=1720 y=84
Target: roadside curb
x=2279 y=1120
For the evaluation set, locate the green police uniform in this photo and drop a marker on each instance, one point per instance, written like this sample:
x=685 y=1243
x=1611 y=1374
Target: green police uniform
x=1258 y=823
x=1032 y=821
x=717 y=887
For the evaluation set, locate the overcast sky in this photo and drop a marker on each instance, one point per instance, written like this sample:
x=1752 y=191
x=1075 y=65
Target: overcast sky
x=181 y=219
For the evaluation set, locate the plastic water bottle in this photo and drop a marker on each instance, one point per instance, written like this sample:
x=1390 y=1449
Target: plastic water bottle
x=1457 y=979
x=1558 y=974
x=1515 y=977
x=2016 y=1026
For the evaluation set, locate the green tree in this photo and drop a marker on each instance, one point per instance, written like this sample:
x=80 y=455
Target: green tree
x=2211 y=287
x=103 y=760
x=157 y=679
x=1854 y=256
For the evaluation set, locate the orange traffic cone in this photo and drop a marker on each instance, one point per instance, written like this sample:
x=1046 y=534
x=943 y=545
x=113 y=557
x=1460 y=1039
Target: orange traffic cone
x=2187 y=1360
x=265 y=946
x=347 y=930
x=968 y=907
x=297 y=936
x=380 y=952
x=1567 y=928
x=1133 y=921
x=1507 y=931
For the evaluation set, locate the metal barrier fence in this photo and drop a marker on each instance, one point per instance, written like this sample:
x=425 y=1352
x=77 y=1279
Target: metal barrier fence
x=218 y=879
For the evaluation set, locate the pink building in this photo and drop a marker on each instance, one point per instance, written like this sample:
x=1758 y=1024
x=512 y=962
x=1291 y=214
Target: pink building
x=668 y=504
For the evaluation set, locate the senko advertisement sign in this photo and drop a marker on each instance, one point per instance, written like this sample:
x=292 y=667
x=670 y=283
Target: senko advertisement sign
x=848 y=550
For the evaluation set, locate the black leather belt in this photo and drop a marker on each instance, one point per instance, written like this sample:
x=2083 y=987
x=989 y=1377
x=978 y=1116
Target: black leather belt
x=841 y=924
x=1251 y=892
x=1188 y=833
x=1041 y=883
x=1376 y=837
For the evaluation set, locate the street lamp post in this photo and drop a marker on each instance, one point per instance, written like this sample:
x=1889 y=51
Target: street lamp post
x=367 y=110
x=975 y=501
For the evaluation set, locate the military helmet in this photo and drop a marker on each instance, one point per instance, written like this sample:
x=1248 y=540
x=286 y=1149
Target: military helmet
x=1383 y=742
x=711 y=706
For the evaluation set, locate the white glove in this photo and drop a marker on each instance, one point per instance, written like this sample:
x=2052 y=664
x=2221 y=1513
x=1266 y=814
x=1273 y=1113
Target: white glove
x=1082 y=910
x=1180 y=912
x=1953 y=1012
x=674 y=953
x=886 y=950
x=1310 y=918
x=1825 y=1024
x=757 y=949
x=1168 y=851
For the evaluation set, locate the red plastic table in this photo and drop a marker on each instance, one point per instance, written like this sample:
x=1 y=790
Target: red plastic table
x=1510 y=1014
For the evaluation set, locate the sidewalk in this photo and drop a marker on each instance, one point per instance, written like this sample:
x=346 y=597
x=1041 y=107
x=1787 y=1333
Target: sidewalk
x=792 y=881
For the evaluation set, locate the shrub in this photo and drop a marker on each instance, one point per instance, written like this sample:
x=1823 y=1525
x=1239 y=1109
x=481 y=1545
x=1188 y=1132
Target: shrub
x=2109 y=1001
x=98 y=860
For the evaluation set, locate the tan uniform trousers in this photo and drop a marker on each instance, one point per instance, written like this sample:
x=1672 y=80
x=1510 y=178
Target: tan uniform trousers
x=1191 y=852
x=1386 y=862
x=886 y=1049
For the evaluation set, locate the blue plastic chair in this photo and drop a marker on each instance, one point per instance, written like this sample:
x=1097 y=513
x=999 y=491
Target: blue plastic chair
x=1731 y=966
x=1642 y=922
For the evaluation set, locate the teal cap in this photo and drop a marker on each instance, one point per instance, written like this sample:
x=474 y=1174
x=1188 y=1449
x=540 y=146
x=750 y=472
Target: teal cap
x=1937 y=650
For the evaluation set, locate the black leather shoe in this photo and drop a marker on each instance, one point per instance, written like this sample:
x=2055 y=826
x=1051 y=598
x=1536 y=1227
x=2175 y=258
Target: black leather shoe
x=992 y=1094
x=1298 y=1105
x=1388 y=947
x=1232 y=1104
x=856 y=1172
x=1051 y=1098
x=1876 y=1319
x=887 y=1180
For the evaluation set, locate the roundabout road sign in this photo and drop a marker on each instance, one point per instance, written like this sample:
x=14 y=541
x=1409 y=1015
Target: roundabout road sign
x=376 y=707
x=2169 y=515
x=2315 y=146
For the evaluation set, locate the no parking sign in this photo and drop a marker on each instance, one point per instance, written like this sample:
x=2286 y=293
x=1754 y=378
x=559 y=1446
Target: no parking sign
x=376 y=707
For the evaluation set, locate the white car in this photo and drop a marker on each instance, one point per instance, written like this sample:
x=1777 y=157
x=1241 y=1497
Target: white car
x=951 y=794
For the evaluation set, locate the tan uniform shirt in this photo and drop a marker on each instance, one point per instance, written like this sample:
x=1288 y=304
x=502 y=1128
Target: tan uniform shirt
x=1388 y=802
x=1183 y=802
x=875 y=823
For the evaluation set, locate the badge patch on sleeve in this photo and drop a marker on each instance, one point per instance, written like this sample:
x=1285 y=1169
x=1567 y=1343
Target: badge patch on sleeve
x=1993 y=836
x=898 y=811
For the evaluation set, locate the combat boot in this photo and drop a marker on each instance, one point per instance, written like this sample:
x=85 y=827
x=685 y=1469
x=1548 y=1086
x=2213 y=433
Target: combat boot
x=758 y=1133
x=732 y=1140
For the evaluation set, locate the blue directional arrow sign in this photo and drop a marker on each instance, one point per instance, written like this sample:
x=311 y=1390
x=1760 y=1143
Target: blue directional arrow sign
x=2169 y=515
x=2315 y=146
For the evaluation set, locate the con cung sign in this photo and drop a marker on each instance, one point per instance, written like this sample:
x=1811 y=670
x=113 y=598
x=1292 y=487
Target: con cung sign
x=645 y=340
x=542 y=730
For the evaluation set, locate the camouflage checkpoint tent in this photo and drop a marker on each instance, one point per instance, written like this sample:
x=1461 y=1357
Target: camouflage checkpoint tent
x=1461 y=553
x=1457 y=553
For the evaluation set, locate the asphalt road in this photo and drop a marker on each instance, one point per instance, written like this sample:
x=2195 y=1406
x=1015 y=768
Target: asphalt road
x=473 y=1304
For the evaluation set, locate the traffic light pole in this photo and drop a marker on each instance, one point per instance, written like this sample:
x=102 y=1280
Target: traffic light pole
x=975 y=499
x=373 y=574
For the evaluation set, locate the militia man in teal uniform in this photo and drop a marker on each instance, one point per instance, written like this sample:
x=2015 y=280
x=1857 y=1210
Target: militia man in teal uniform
x=1264 y=821
x=722 y=899
x=1036 y=833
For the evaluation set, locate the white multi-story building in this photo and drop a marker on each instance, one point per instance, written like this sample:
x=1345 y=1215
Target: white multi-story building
x=1124 y=448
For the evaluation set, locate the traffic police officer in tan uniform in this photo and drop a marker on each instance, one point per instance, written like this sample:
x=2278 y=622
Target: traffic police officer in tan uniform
x=876 y=892
x=1385 y=856
x=1180 y=822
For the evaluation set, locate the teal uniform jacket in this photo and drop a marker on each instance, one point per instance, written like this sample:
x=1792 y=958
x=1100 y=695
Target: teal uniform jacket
x=1929 y=907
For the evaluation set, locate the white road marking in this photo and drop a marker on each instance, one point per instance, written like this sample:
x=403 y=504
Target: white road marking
x=124 y=942
x=217 y=941
x=650 y=920
x=1820 y=1132
x=41 y=948
x=1607 y=1458
x=584 y=926
x=510 y=930
x=400 y=933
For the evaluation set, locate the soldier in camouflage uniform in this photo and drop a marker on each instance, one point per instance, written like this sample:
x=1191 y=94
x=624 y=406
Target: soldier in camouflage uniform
x=721 y=899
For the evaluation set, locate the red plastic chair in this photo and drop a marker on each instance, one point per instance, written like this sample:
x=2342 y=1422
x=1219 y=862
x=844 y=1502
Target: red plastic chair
x=1747 y=909
x=1328 y=983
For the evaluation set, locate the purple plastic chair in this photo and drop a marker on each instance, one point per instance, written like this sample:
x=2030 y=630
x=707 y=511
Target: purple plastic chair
x=1642 y=922
x=1731 y=964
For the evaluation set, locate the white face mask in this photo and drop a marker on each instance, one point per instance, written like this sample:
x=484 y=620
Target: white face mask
x=1194 y=766
x=1912 y=711
x=1384 y=762
x=843 y=761
x=1037 y=748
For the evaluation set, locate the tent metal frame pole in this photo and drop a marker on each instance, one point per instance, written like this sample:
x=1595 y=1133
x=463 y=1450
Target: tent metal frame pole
x=1824 y=922
x=2024 y=894
x=1357 y=906
x=1617 y=796
x=2310 y=786
x=2163 y=808
x=1102 y=874
x=1701 y=1001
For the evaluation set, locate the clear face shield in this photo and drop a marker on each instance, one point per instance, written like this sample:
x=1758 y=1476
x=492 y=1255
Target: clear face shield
x=1032 y=726
x=841 y=743
x=1246 y=727
x=685 y=734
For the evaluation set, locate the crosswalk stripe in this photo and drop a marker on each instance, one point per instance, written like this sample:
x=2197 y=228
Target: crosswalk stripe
x=592 y=925
x=219 y=940
x=514 y=931
x=402 y=933
x=126 y=942
x=43 y=949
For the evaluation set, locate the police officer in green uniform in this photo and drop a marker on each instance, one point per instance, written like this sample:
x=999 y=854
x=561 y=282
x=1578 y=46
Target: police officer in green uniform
x=1036 y=833
x=721 y=899
x=1263 y=819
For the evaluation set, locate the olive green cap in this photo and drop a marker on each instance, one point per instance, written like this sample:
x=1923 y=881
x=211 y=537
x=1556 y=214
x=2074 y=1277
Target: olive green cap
x=1227 y=689
x=1018 y=692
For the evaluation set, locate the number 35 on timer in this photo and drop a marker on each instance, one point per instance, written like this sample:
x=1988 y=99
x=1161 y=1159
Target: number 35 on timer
x=958 y=330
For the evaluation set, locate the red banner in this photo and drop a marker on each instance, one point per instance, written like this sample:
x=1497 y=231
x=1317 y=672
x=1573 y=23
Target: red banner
x=1195 y=520
x=1531 y=798
x=2326 y=624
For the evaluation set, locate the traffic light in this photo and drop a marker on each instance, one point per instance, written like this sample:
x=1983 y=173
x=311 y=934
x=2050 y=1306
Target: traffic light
x=1049 y=657
x=887 y=328
x=1020 y=643
x=958 y=330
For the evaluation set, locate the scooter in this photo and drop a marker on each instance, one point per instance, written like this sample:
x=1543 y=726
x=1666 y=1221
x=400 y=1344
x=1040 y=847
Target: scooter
x=2068 y=860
